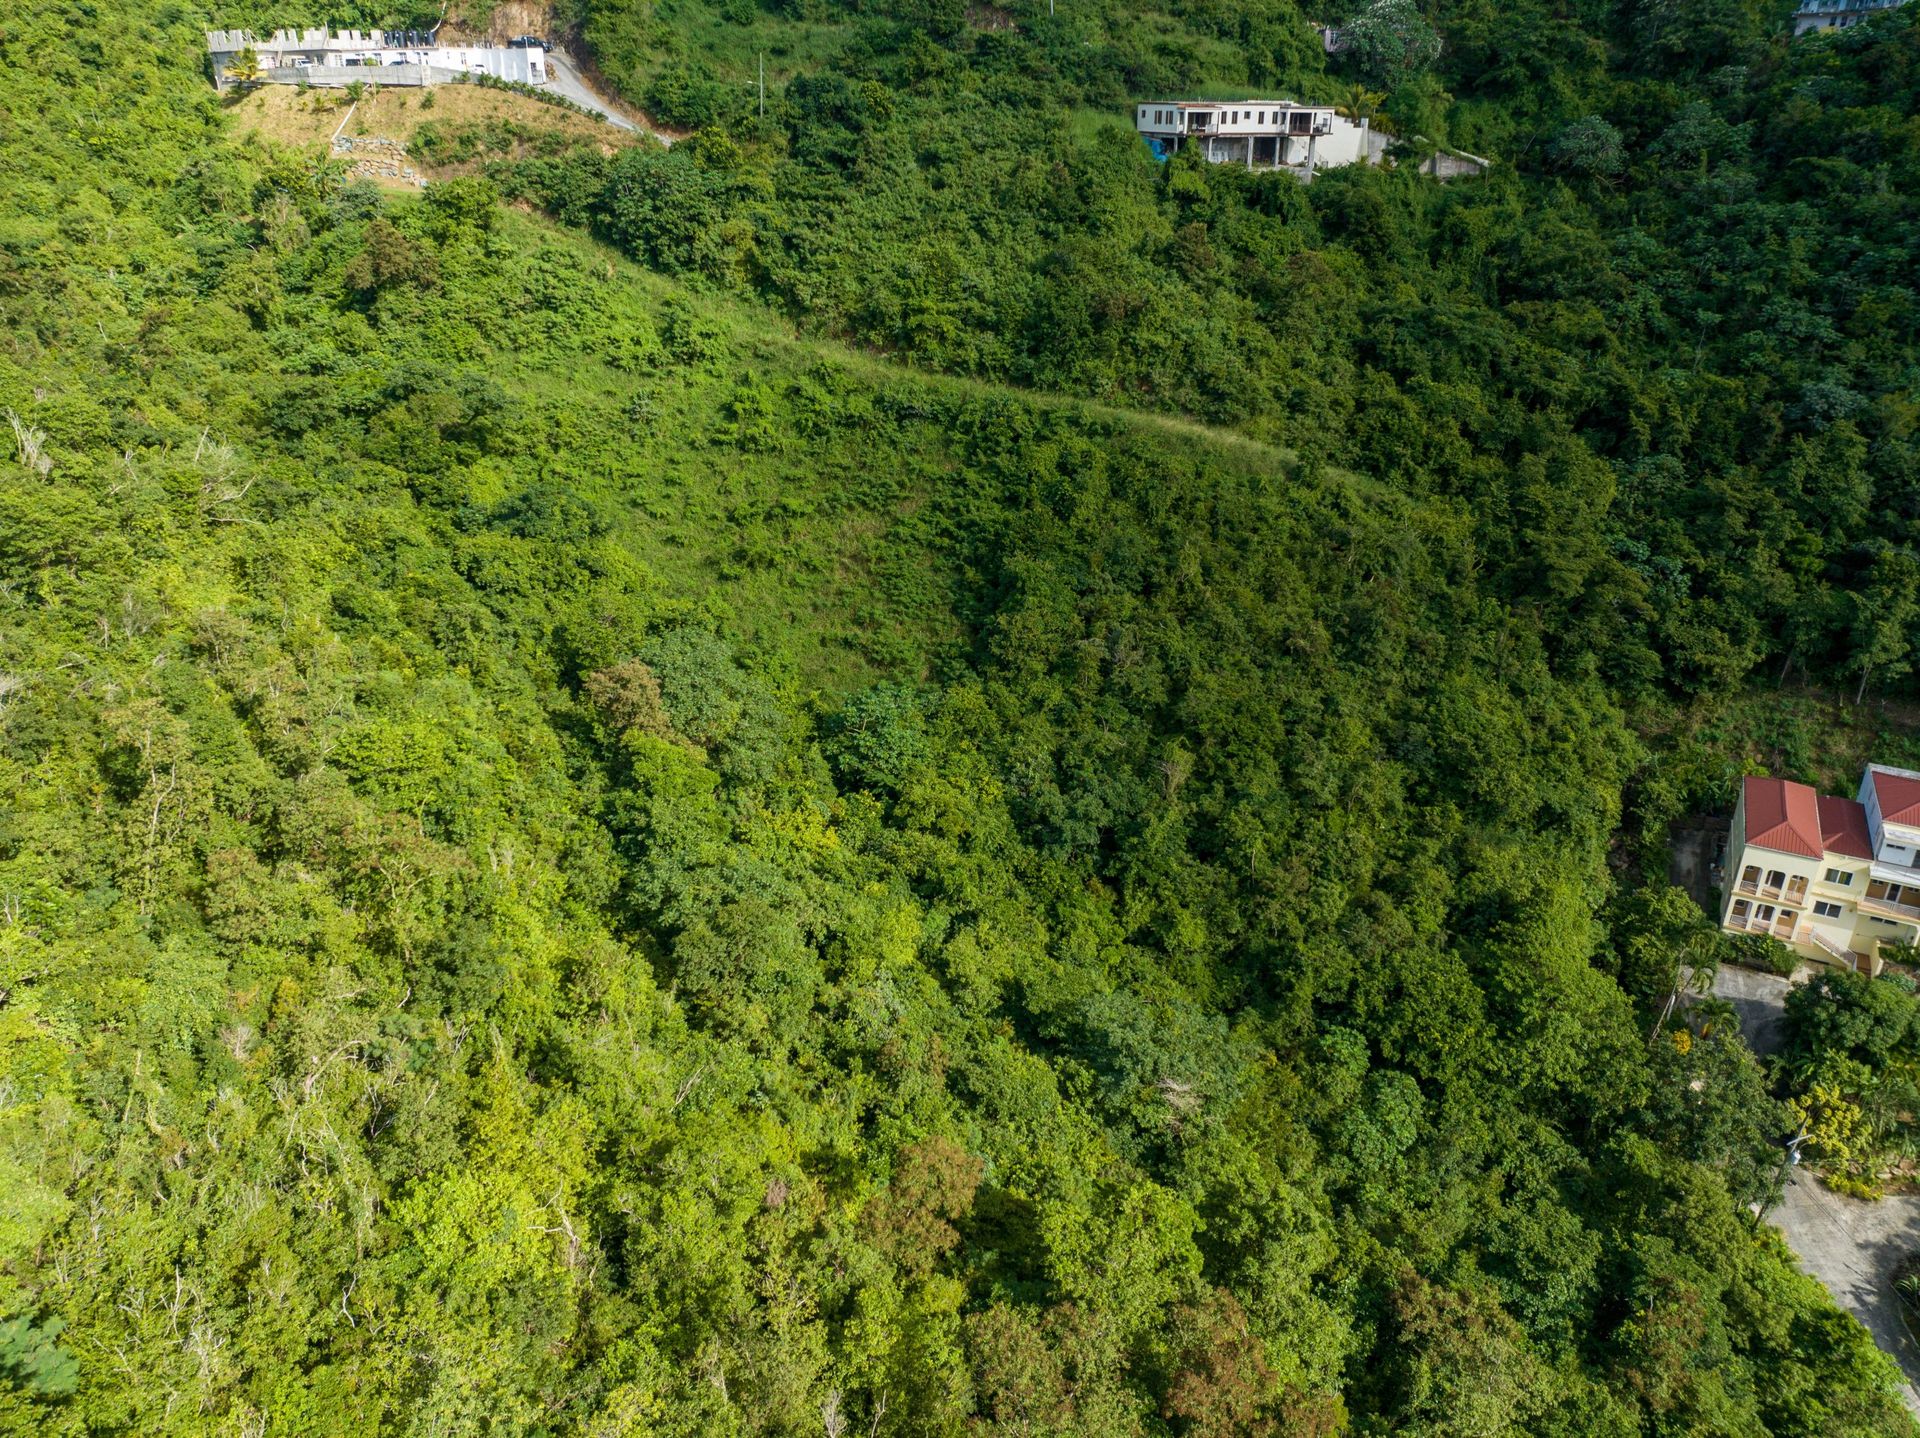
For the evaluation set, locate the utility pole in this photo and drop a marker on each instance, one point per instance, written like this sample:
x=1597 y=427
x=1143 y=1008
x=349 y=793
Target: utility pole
x=1789 y=1159
x=763 y=85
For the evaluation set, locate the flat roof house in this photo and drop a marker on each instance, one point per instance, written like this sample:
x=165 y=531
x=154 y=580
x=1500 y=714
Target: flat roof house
x=1833 y=878
x=1813 y=16
x=392 y=57
x=1260 y=134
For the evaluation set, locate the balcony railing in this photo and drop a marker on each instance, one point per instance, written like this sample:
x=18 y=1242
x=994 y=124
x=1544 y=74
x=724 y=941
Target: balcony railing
x=1780 y=929
x=1845 y=956
x=1891 y=908
x=1794 y=891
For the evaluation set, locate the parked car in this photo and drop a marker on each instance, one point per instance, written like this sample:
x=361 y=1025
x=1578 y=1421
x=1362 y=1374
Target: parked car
x=529 y=42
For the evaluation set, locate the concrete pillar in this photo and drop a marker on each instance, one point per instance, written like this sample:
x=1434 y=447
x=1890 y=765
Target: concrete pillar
x=1310 y=140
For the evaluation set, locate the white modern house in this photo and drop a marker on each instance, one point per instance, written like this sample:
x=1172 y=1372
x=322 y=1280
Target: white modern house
x=1833 y=878
x=393 y=57
x=1282 y=135
x=1815 y=15
x=1260 y=134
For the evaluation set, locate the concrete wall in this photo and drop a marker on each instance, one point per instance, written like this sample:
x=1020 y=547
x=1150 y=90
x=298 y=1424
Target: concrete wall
x=334 y=76
x=1450 y=164
x=1344 y=143
x=390 y=65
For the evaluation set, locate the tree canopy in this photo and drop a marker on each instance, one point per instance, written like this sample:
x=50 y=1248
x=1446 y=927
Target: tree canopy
x=899 y=773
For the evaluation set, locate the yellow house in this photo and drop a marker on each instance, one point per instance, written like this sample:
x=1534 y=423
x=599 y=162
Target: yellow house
x=1832 y=878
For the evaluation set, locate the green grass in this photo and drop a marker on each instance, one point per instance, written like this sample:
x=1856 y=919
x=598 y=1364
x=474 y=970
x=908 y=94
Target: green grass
x=817 y=549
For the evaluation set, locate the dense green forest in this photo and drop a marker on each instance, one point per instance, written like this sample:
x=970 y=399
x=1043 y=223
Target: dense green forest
x=892 y=773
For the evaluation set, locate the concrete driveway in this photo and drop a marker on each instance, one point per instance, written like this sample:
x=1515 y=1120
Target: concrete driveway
x=1851 y=1246
x=564 y=79
x=1760 y=1001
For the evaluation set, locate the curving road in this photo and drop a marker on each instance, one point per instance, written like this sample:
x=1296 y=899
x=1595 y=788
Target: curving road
x=564 y=79
x=1850 y=1246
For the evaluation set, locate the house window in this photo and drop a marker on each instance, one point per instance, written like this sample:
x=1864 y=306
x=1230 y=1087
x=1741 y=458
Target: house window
x=1826 y=910
x=1750 y=876
x=1788 y=917
x=1763 y=913
x=1740 y=908
x=1776 y=878
x=1839 y=876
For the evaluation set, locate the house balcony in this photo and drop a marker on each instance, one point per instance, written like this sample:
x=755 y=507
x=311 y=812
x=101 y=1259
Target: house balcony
x=1879 y=904
x=1776 y=927
x=1794 y=891
x=1889 y=872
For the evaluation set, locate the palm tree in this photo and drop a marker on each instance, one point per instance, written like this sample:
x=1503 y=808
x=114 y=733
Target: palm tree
x=244 y=68
x=1706 y=1015
x=1361 y=104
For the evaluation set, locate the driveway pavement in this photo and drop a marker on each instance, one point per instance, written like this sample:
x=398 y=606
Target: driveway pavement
x=1760 y=1001
x=1851 y=1246
x=564 y=78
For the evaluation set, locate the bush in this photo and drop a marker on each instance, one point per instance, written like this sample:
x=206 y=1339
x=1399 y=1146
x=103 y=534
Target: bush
x=1757 y=951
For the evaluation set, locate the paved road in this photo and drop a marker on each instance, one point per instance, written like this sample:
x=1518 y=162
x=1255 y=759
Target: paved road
x=1760 y=1001
x=1851 y=1247
x=564 y=78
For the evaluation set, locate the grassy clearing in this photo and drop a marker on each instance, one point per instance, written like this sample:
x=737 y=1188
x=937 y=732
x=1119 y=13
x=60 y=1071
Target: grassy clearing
x=464 y=120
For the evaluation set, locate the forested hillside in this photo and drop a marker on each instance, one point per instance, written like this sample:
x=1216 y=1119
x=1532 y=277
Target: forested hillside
x=586 y=855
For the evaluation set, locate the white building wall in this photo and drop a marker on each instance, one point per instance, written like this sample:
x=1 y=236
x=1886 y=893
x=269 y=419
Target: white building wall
x=1869 y=800
x=1344 y=144
x=290 y=51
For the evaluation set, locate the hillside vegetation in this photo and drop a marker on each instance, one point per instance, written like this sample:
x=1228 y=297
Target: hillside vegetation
x=583 y=859
x=448 y=131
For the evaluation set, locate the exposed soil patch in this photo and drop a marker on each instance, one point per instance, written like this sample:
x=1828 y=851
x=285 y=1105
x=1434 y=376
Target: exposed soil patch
x=1699 y=847
x=464 y=126
x=508 y=19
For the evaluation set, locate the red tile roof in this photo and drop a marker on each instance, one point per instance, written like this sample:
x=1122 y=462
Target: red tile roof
x=1843 y=828
x=1783 y=816
x=1899 y=797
